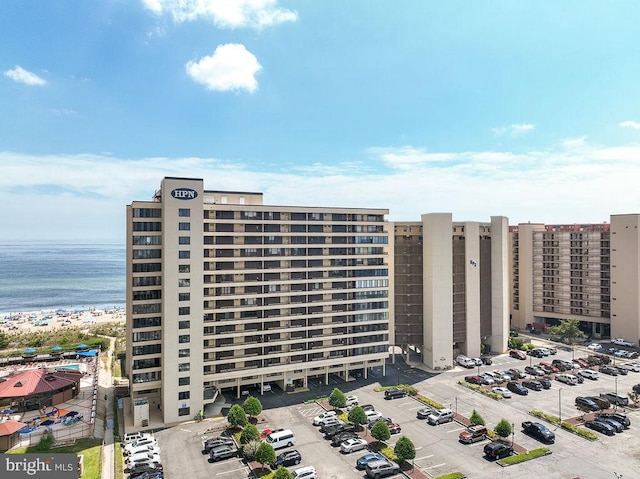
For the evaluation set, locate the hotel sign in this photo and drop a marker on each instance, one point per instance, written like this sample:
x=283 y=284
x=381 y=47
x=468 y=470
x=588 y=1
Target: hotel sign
x=184 y=194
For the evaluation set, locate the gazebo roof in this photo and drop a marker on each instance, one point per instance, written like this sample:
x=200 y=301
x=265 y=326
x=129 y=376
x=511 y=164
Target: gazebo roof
x=9 y=427
x=37 y=381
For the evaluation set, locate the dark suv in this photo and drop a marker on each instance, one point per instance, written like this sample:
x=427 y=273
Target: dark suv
x=288 y=458
x=586 y=403
x=497 y=450
x=394 y=393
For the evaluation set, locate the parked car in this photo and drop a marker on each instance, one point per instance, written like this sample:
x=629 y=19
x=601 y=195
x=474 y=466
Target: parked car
x=477 y=361
x=539 y=431
x=475 y=380
x=327 y=414
x=135 y=436
x=473 y=434
x=308 y=472
x=373 y=422
x=222 y=452
x=149 y=448
x=486 y=360
x=338 y=429
x=569 y=379
x=589 y=374
x=367 y=407
x=362 y=462
x=343 y=436
x=394 y=393
x=595 y=347
x=618 y=427
x=377 y=469
x=534 y=371
x=423 y=413
x=548 y=368
x=394 y=428
x=610 y=370
x=504 y=392
x=636 y=388
x=535 y=385
x=497 y=450
x=622 y=342
x=440 y=416
x=517 y=388
x=135 y=471
x=614 y=398
x=581 y=362
x=136 y=444
x=353 y=444
x=621 y=418
x=633 y=367
x=586 y=403
x=330 y=421
x=602 y=402
x=536 y=353
x=600 y=427
x=216 y=441
x=465 y=361
x=288 y=458
x=517 y=374
x=489 y=380
x=351 y=401
x=546 y=384
x=516 y=353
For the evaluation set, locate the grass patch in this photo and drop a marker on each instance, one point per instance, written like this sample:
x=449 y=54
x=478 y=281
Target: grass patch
x=429 y=402
x=527 y=456
x=318 y=399
x=90 y=448
x=555 y=420
x=119 y=460
x=481 y=390
x=452 y=475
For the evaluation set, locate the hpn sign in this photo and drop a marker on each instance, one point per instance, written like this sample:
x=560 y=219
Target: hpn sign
x=184 y=194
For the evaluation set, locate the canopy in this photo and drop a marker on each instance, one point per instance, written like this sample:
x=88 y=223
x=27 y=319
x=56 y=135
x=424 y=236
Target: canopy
x=29 y=351
x=56 y=348
x=82 y=346
x=88 y=354
x=7 y=411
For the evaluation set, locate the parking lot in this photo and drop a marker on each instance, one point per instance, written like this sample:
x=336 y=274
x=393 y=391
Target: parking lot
x=438 y=450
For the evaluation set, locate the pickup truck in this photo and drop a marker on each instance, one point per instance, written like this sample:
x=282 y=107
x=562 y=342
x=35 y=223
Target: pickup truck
x=538 y=431
x=622 y=342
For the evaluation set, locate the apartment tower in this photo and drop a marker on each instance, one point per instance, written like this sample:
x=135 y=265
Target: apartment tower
x=226 y=293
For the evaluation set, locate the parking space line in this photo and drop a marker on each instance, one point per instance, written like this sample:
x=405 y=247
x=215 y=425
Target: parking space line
x=424 y=457
x=437 y=465
x=233 y=470
x=456 y=430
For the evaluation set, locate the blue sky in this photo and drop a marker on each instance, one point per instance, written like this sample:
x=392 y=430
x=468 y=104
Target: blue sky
x=517 y=108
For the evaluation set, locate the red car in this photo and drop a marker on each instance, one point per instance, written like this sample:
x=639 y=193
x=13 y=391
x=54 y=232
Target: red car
x=394 y=428
x=548 y=367
x=516 y=353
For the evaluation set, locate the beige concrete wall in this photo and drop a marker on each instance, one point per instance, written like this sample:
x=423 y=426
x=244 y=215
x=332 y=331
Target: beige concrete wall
x=625 y=281
x=438 y=290
x=472 y=287
x=500 y=285
x=524 y=314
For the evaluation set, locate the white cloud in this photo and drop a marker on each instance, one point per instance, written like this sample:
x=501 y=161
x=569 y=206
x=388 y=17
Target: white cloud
x=630 y=124
x=83 y=196
x=224 y=13
x=20 y=75
x=231 y=68
x=513 y=130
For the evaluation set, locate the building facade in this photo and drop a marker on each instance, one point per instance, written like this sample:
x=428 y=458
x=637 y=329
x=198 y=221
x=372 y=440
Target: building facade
x=588 y=272
x=451 y=287
x=226 y=293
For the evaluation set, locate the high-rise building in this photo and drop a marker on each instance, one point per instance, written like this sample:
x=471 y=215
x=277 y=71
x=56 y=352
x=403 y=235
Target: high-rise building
x=224 y=292
x=451 y=287
x=588 y=272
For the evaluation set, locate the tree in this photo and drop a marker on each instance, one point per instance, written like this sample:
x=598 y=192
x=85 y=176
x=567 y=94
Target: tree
x=515 y=343
x=357 y=416
x=404 y=449
x=236 y=416
x=249 y=450
x=4 y=340
x=249 y=434
x=380 y=431
x=265 y=454
x=568 y=329
x=282 y=473
x=503 y=428
x=476 y=419
x=252 y=406
x=337 y=399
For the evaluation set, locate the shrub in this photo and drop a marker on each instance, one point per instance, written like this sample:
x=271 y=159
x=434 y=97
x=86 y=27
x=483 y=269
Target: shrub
x=452 y=475
x=592 y=436
x=410 y=390
x=252 y=406
x=265 y=454
x=518 y=458
x=249 y=434
x=236 y=416
x=282 y=473
x=357 y=416
x=404 y=449
x=476 y=419
x=46 y=441
x=429 y=402
x=337 y=399
x=503 y=428
x=380 y=431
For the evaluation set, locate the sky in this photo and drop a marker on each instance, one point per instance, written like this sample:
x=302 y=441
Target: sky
x=529 y=110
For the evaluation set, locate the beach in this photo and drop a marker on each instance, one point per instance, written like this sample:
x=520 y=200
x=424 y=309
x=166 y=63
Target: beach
x=49 y=320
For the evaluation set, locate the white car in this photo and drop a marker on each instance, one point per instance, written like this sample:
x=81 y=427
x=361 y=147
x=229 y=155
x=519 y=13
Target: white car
x=504 y=392
x=136 y=436
x=308 y=472
x=351 y=445
x=635 y=367
x=143 y=457
x=149 y=448
x=595 y=346
x=318 y=419
x=588 y=373
x=351 y=401
x=373 y=415
x=141 y=442
x=330 y=421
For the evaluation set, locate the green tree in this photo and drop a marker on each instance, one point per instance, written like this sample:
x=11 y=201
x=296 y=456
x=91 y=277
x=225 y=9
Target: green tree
x=249 y=434
x=252 y=406
x=4 y=340
x=515 y=343
x=236 y=416
x=357 y=416
x=568 y=329
x=265 y=454
x=282 y=473
x=380 y=431
x=404 y=449
x=476 y=419
x=337 y=399
x=249 y=450
x=503 y=428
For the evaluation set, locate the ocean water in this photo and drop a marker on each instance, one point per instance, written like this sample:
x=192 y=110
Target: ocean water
x=37 y=276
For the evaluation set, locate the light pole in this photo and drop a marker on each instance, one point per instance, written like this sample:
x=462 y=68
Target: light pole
x=513 y=433
x=560 y=405
x=456 y=404
x=398 y=382
x=615 y=379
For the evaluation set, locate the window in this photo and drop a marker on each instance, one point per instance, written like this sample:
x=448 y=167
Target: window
x=184 y=212
x=184 y=311
x=184 y=240
x=184 y=381
x=184 y=296
x=184 y=226
x=184 y=254
x=184 y=268
x=182 y=367
x=184 y=411
x=185 y=338
x=184 y=353
x=184 y=324
x=183 y=395
x=184 y=283
x=147 y=240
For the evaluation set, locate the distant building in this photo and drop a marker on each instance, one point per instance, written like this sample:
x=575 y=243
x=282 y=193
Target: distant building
x=588 y=272
x=451 y=287
x=226 y=293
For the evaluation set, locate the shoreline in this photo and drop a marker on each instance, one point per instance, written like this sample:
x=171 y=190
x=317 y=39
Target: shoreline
x=47 y=320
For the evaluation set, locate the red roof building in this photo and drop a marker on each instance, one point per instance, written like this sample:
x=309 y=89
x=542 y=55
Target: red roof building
x=37 y=388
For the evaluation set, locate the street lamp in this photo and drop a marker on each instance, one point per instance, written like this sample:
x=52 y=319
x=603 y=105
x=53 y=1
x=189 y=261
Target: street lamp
x=398 y=382
x=513 y=433
x=560 y=405
x=615 y=379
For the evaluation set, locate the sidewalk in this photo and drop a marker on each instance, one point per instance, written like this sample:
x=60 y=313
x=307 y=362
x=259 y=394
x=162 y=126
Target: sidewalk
x=105 y=389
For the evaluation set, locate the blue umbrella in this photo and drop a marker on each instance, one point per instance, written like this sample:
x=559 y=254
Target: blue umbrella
x=56 y=348
x=82 y=346
x=29 y=351
x=7 y=411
